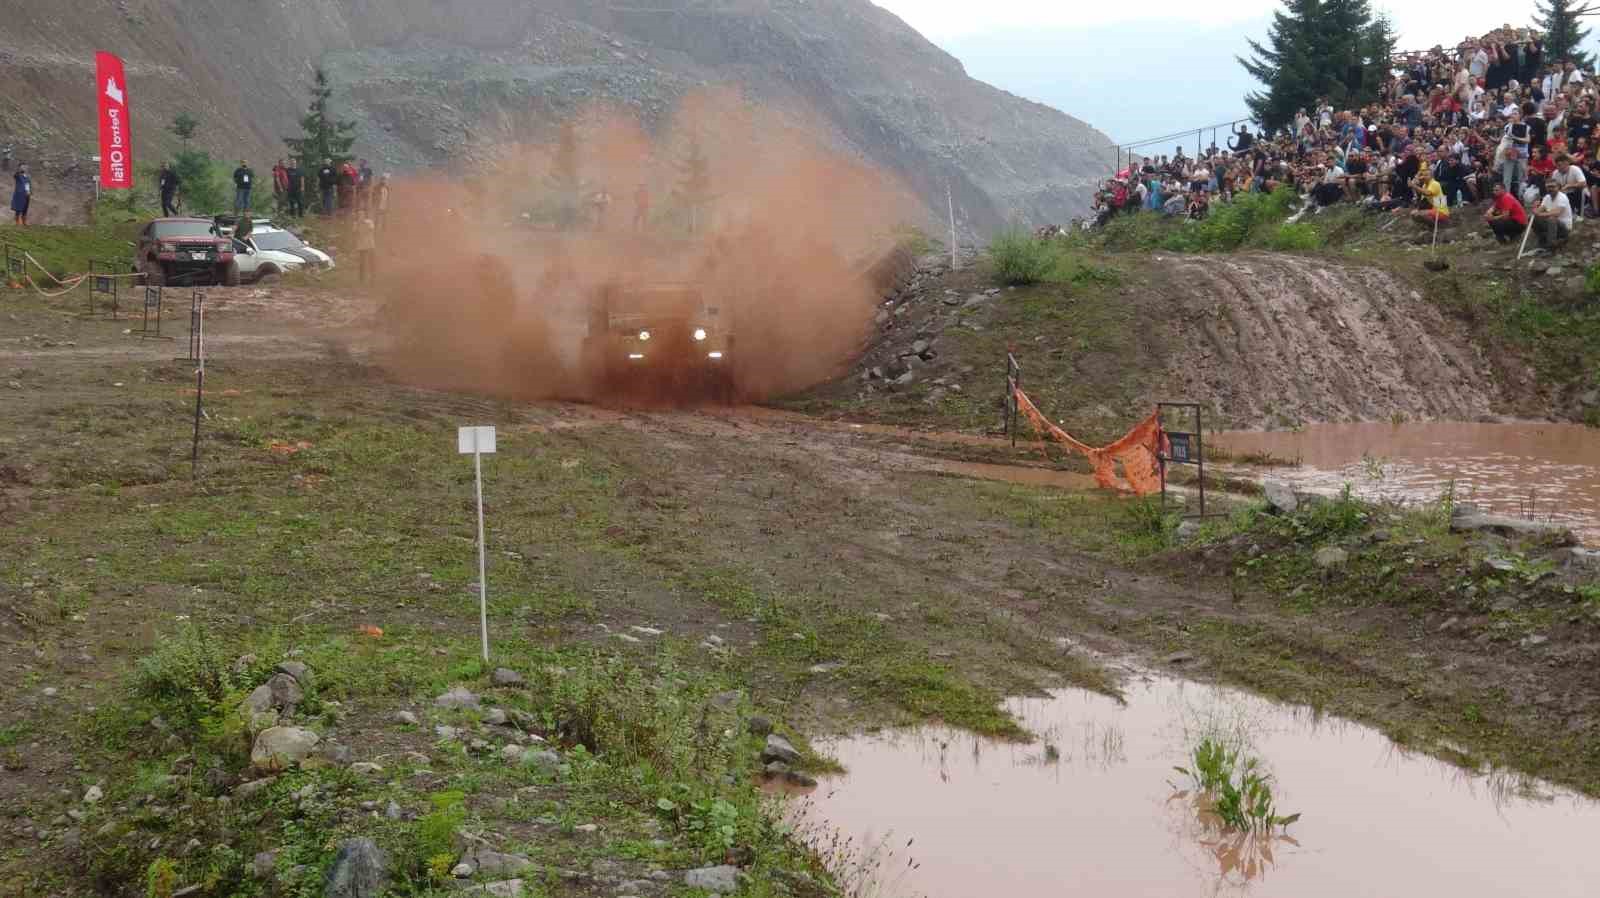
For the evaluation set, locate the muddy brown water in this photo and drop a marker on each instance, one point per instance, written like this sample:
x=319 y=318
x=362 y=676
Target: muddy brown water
x=1544 y=471
x=1094 y=807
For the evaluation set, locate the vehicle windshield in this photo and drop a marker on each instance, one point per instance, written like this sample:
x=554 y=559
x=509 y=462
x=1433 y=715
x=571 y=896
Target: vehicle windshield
x=166 y=229
x=279 y=240
x=665 y=302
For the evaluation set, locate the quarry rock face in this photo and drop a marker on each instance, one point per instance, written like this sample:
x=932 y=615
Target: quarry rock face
x=444 y=84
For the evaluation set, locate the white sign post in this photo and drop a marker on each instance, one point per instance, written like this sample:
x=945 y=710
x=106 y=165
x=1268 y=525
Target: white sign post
x=479 y=441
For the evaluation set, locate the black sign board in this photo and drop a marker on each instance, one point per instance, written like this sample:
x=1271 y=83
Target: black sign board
x=102 y=284
x=1182 y=450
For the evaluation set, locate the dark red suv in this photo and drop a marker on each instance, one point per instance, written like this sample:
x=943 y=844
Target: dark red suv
x=179 y=252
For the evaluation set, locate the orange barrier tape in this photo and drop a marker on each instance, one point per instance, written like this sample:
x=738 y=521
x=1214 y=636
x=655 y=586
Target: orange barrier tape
x=1138 y=450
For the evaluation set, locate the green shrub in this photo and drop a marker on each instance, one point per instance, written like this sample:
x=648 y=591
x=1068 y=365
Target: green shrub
x=1591 y=280
x=1297 y=236
x=188 y=674
x=1020 y=258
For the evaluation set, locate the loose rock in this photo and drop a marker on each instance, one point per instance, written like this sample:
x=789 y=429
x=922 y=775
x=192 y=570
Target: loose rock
x=759 y=725
x=719 y=880
x=1330 y=557
x=505 y=676
x=779 y=749
x=459 y=697
x=1280 y=496
x=280 y=748
x=360 y=870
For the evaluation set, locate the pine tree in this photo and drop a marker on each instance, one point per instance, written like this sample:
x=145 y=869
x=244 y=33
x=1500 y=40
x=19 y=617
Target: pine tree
x=1316 y=49
x=323 y=136
x=1562 y=36
x=565 y=179
x=693 y=190
x=184 y=126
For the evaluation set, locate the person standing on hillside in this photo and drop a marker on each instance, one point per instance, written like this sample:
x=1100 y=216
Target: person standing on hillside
x=641 y=207
x=243 y=182
x=294 y=189
x=280 y=184
x=364 y=182
x=168 y=184
x=21 y=195
x=327 y=181
x=347 y=186
x=380 y=202
x=367 y=248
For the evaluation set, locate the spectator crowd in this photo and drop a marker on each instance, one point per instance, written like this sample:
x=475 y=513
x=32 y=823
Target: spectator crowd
x=1492 y=123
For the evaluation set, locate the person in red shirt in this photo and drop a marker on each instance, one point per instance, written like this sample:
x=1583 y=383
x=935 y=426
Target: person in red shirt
x=1540 y=167
x=1506 y=217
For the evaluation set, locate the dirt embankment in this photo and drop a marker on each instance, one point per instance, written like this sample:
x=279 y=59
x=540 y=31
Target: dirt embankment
x=1274 y=340
x=1261 y=340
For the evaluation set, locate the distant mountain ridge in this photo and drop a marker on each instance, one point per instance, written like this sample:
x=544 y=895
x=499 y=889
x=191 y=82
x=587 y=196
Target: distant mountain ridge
x=438 y=82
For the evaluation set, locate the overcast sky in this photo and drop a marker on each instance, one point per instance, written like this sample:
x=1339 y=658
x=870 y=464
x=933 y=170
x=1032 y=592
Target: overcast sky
x=1143 y=68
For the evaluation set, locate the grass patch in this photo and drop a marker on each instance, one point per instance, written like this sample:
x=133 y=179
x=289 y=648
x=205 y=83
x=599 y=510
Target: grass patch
x=1018 y=258
x=64 y=250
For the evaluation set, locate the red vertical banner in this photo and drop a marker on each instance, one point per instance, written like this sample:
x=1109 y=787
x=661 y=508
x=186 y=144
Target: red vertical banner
x=116 y=135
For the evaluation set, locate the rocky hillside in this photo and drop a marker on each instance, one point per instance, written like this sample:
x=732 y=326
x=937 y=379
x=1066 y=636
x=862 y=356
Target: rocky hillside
x=440 y=82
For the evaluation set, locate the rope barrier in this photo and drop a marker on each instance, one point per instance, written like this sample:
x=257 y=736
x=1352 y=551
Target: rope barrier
x=72 y=280
x=68 y=287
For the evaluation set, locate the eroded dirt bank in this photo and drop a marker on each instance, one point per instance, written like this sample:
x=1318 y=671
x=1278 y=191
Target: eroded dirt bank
x=1262 y=340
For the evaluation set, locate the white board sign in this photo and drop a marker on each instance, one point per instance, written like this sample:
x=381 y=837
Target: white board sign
x=475 y=439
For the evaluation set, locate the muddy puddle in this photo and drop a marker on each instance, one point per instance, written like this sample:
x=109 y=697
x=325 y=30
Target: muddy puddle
x=1095 y=808
x=1543 y=471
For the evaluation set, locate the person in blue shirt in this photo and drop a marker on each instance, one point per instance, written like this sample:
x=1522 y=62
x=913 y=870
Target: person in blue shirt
x=21 y=195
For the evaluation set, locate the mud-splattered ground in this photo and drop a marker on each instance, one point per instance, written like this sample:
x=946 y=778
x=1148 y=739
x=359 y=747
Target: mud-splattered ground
x=853 y=577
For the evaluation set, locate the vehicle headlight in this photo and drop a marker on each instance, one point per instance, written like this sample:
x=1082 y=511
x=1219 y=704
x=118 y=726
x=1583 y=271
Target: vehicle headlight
x=699 y=334
x=644 y=335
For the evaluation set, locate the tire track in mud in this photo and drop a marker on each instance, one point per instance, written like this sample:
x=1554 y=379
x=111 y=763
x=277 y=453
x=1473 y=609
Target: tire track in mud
x=1288 y=339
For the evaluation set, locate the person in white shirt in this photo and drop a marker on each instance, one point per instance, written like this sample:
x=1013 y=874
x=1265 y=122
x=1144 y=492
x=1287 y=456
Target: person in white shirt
x=1479 y=66
x=1552 y=218
x=1570 y=178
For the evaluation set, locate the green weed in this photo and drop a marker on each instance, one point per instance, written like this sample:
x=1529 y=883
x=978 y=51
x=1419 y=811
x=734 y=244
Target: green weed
x=1239 y=792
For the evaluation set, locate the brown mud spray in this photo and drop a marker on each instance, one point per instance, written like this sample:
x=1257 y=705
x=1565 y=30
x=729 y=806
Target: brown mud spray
x=487 y=284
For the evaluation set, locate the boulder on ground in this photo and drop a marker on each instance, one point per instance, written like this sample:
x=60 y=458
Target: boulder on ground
x=360 y=870
x=719 y=880
x=1280 y=496
x=779 y=749
x=281 y=748
x=457 y=697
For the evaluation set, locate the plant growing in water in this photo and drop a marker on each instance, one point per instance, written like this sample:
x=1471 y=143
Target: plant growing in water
x=1240 y=794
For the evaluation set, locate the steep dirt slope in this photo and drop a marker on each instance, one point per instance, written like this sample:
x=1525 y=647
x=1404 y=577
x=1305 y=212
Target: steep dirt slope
x=1287 y=339
x=1263 y=340
x=436 y=81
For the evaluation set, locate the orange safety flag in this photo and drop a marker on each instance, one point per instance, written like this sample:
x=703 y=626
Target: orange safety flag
x=1139 y=450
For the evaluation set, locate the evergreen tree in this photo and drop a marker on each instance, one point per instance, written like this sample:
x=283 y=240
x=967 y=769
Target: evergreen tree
x=565 y=177
x=693 y=190
x=184 y=126
x=1562 y=36
x=1315 y=49
x=323 y=137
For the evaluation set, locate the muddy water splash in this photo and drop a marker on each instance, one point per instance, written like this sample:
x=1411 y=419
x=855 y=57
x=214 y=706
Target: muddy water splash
x=1095 y=808
x=744 y=209
x=1548 y=472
